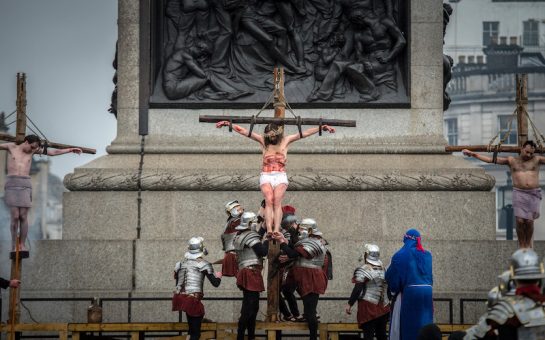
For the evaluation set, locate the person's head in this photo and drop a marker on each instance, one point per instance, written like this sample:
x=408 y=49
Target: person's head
x=233 y=208
x=412 y=239
x=273 y=134
x=248 y=221
x=526 y=267
x=458 y=335
x=202 y=48
x=309 y=227
x=528 y=149
x=196 y=248
x=429 y=332
x=371 y=254
x=31 y=143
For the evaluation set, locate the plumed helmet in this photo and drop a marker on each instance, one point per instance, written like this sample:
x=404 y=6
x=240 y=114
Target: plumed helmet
x=371 y=254
x=526 y=265
x=229 y=206
x=248 y=220
x=311 y=226
x=195 y=248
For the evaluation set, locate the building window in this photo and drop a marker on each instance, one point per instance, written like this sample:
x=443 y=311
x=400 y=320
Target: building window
x=503 y=127
x=451 y=130
x=490 y=31
x=530 y=35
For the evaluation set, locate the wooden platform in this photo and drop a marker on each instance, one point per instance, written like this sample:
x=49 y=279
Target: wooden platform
x=218 y=330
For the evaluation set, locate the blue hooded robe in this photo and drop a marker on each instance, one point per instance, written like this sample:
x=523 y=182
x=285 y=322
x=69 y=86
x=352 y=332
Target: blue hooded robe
x=410 y=279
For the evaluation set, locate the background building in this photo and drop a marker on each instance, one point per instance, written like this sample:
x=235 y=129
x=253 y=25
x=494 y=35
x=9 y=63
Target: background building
x=491 y=41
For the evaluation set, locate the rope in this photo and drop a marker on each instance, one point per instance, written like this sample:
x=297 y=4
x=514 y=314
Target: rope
x=266 y=104
x=537 y=134
x=11 y=114
x=502 y=140
x=37 y=128
x=28 y=311
x=10 y=123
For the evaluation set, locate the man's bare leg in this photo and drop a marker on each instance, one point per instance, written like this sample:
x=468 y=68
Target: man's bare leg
x=14 y=226
x=268 y=194
x=23 y=228
x=530 y=233
x=279 y=192
x=522 y=233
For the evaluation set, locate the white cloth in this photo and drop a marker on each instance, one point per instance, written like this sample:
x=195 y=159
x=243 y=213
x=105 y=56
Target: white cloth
x=274 y=178
x=395 y=322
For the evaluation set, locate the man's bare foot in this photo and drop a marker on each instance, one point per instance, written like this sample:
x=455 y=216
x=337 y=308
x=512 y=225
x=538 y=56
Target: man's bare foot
x=22 y=247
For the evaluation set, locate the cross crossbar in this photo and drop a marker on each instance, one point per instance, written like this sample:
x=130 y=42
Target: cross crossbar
x=488 y=148
x=285 y=121
x=10 y=138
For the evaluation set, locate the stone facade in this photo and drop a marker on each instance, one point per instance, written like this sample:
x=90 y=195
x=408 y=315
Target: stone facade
x=129 y=214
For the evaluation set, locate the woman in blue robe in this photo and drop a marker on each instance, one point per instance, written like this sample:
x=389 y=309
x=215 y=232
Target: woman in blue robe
x=410 y=280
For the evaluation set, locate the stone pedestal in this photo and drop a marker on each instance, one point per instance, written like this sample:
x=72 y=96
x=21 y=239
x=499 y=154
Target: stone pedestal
x=129 y=214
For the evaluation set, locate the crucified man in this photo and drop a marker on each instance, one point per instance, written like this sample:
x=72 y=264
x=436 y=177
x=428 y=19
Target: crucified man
x=526 y=190
x=18 y=187
x=273 y=180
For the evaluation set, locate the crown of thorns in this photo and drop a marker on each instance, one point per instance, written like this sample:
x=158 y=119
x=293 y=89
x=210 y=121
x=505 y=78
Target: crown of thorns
x=274 y=133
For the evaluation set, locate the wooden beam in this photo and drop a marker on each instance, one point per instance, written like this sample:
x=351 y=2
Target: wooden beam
x=10 y=138
x=522 y=103
x=285 y=121
x=485 y=148
x=20 y=128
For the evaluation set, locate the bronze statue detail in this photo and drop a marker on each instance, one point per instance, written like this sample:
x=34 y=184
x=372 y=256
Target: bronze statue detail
x=340 y=51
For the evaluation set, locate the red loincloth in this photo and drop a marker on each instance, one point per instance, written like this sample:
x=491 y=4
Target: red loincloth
x=309 y=280
x=189 y=304
x=368 y=311
x=251 y=279
x=229 y=266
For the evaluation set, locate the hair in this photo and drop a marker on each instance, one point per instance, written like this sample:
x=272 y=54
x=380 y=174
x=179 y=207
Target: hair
x=531 y=143
x=32 y=139
x=273 y=130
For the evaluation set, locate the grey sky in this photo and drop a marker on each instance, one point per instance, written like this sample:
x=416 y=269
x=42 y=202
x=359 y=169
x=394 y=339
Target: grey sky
x=66 y=48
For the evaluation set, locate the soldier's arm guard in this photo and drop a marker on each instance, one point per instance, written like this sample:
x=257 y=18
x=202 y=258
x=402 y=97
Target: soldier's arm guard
x=478 y=331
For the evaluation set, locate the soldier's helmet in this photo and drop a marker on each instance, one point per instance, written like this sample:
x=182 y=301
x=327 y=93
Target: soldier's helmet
x=196 y=248
x=230 y=207
x=371 y=254
x=248 y=221
x=526 y=265
x=311 y=226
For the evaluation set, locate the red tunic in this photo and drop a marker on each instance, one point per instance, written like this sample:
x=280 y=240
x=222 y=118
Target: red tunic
x=251 y=279
x=368 y=311
x=229 y=266
x=190 y=304
x=309 y=280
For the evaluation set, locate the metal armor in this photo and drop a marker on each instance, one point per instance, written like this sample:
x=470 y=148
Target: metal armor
x=191 y=275
x=530 y=314
x=227 y=241
x=375 y=287
x=525 y=265
x=314 y=248
x=243 y=243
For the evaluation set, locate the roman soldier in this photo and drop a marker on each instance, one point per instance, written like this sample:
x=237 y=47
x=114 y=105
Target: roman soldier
x=229 y=264
x=189 y=275
x=308 y=273
x=519 y=316
x=250 y=252
x=370 y=290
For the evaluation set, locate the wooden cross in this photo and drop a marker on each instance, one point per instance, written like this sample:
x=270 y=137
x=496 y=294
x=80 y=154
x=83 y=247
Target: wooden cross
x=17 y=256
x=20 y=127
x=279 y=104
x=522 y=125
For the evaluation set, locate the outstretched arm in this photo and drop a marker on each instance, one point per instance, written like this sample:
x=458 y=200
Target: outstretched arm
x=486 y=159
x=6 y=146
x=255 y=136
x=56 y=152
x=309 y=132
x=541 y=159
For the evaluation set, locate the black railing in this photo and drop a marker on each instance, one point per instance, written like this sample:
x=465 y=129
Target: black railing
x=462 y=301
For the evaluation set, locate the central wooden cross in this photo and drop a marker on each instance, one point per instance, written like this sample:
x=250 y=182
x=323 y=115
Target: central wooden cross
x=279 y=104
